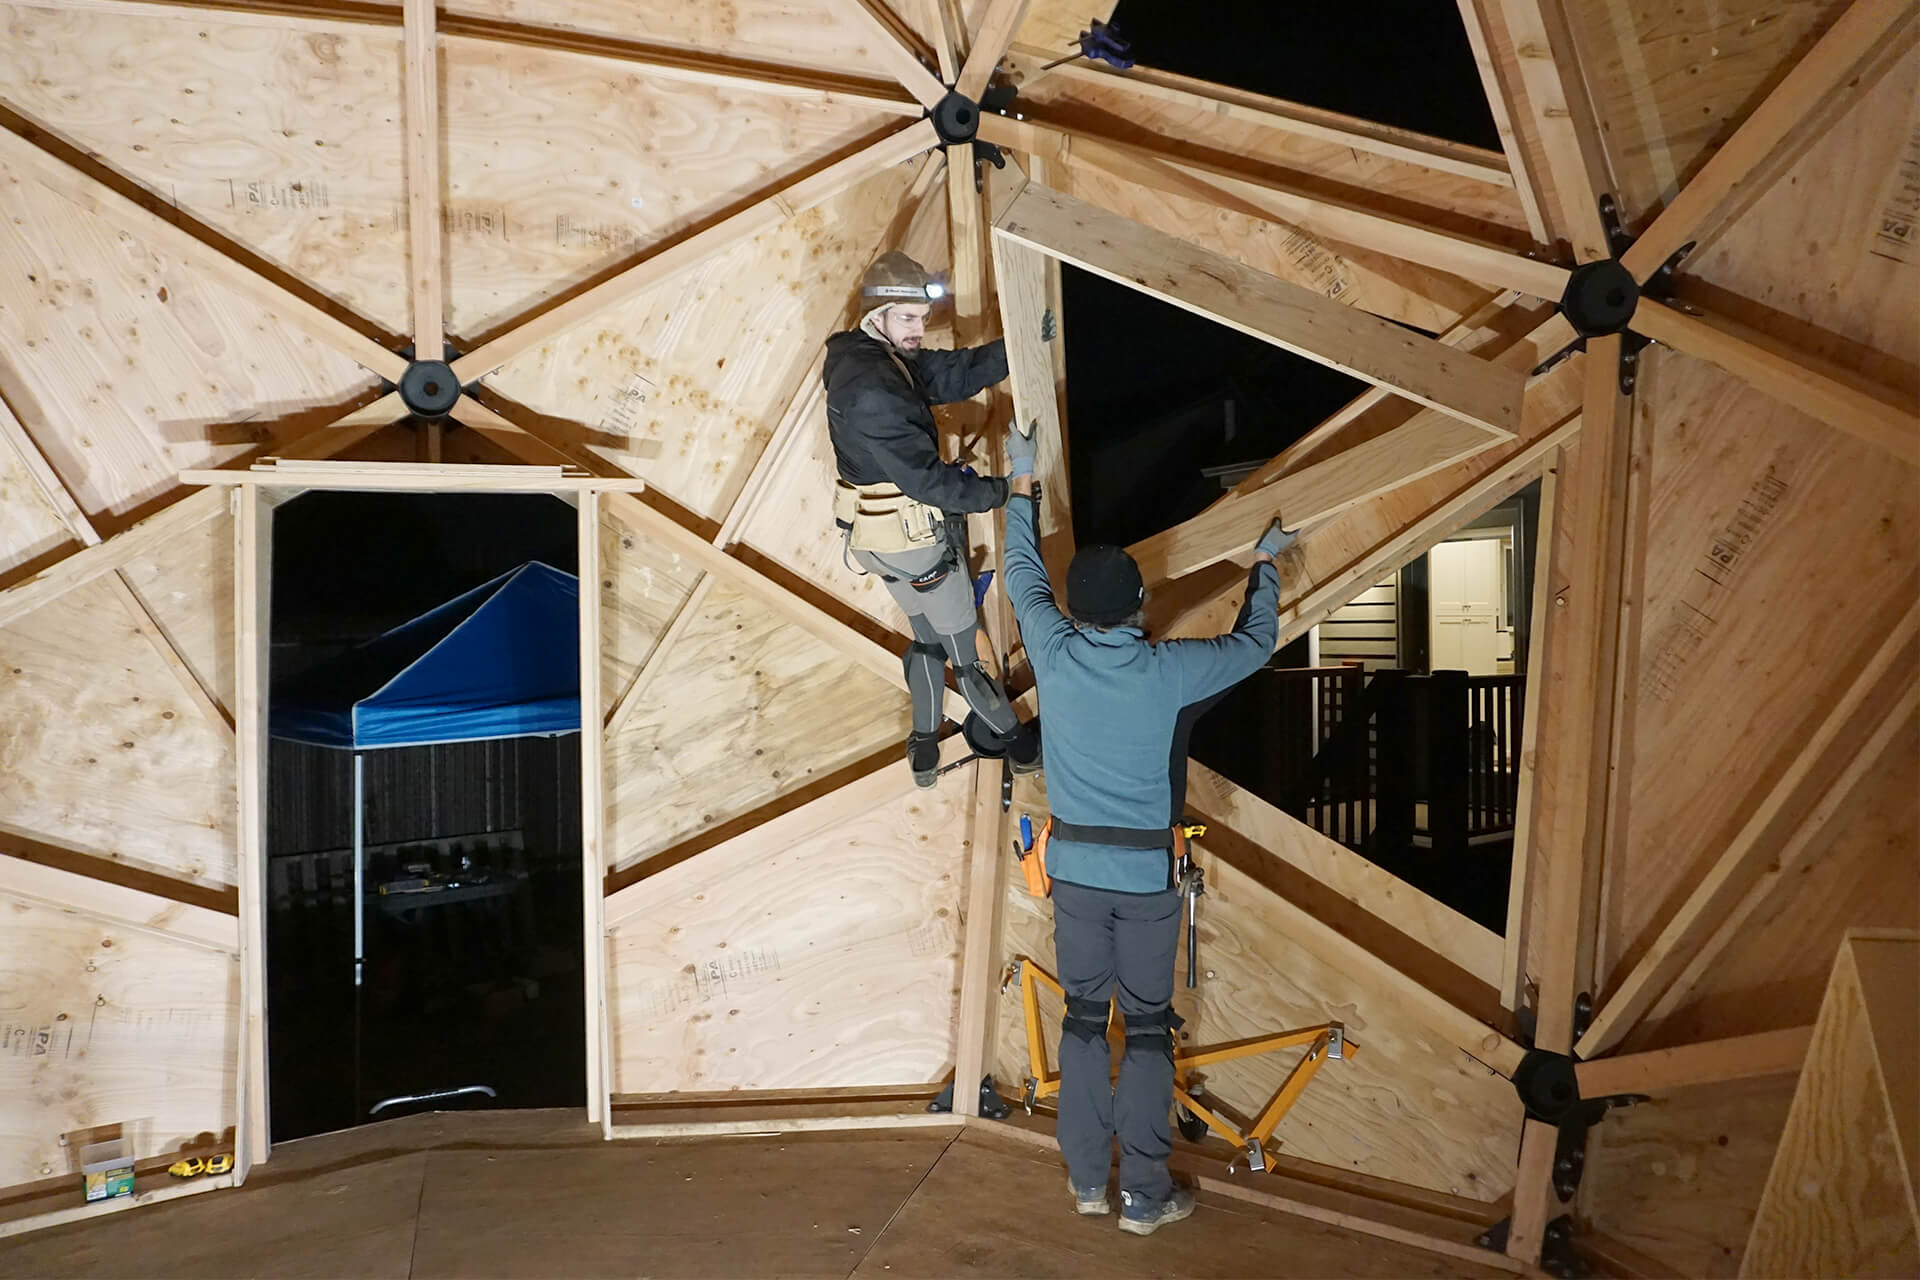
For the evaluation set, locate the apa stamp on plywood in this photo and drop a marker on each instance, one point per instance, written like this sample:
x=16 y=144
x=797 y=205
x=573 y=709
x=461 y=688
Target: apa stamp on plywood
x=304 y=194
x=623 y=418
x=1708 y=586
x=1896 y=215
x=739 y=969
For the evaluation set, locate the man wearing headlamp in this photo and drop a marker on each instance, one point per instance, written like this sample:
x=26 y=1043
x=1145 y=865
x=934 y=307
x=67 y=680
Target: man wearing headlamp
x=903 y=509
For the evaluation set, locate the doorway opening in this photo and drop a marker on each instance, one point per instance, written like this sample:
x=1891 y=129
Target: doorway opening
x=422 y=889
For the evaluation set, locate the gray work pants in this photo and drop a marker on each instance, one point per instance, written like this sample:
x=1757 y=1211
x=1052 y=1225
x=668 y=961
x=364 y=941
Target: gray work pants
x=1102 y=939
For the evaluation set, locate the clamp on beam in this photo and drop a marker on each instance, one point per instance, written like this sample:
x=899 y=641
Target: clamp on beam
x=1602 y=296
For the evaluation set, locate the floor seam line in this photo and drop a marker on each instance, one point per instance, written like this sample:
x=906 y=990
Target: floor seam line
x=413 y=1248
x=905 y=1201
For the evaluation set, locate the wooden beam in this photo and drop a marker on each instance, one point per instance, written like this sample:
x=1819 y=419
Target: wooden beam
x=1770 y=1053
x=1576 y=715
x=1474 y=18
x=987 y=860
x=1806 y=841
x=1296 y=319
x=252 y=616
x=593 y=817
x=1528 y=1226
x=69 y=891
x=165 y=237
x=895 y=46
x=886 y=782
x=989 y=46
x=1316 y=492
x=1315 y=583
x=156 y=636
x=1863 y=28
x=1563 y=116
x=793 y=196
x=1021 y=274
x=422 y=59
x=1794 y=798
x=138 y=1200
x=1151 y=85
x=1821 y=390
x=1519 y=897
x=1322 y=217
x=1432 y=924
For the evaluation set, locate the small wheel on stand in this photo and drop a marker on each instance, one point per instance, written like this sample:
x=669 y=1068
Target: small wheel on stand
x=1191 y=1126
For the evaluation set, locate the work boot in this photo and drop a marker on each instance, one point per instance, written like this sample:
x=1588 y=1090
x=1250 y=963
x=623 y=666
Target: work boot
x=1089 y=1202
x=1024 y=755
x=1142 y=1217
x=923 y=757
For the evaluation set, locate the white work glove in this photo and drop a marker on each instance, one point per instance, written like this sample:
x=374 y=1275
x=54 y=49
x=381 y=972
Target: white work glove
x=1275 y=539
x=1021 y=452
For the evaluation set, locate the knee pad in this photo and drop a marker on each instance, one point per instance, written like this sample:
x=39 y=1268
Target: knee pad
x=1086 y=1019
x=1147 y=1031
x=925 y=662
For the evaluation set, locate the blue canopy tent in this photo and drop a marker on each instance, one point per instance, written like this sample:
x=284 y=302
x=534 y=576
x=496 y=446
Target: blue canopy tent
x=499 y=661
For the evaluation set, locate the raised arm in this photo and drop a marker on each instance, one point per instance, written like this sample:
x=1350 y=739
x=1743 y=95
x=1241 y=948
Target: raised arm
x=949 y=376
x=1042 y=625
x=1208 y=666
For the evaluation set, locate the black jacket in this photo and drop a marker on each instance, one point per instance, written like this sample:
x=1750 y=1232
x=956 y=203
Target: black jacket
x=881 y=420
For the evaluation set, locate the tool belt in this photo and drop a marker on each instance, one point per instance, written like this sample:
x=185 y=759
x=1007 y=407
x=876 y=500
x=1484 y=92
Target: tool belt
x=881 y=519
x=1033 y=862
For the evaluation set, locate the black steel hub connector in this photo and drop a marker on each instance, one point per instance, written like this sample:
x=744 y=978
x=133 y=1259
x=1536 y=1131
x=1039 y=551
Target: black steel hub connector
x=429 y=389
x=1601 y=298
x=955 y=118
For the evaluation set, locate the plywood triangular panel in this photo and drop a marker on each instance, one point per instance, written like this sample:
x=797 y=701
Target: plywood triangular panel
x=558 y=165
x=29 y=526
x=103 y=751
x=642 y=587
x=1670 y=82
x=746 y=708
x=1742 y=595
x=131 y=365
x=285 y=137
x=109 y=1024
x=784 y=31
x=695 y=372
x=832 y=963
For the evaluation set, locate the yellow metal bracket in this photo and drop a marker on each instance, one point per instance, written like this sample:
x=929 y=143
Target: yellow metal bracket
x=1325 y=1042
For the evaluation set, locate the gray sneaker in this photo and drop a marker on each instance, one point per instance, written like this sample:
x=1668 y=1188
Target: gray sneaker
x=1089 y=1201
x=1143 y=1217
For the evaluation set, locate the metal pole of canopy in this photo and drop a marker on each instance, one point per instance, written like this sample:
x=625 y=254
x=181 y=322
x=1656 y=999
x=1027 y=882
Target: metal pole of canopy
x=359 y=915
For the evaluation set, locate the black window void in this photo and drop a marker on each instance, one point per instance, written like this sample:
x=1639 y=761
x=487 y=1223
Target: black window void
x=1167 y=409
x=1404 y=63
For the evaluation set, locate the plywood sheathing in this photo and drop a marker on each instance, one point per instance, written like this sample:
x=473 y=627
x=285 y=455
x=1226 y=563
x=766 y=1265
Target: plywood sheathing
x=1670 y=82
x=152 y=358
x=186 y=583
x=745 y=709
x=1860 y=875
x=103 y=751
x=642 y=588
x=831 y=963
x=31 y=529
x=1679 y=1178
x=108 y=1024
x=1742 y=594
x=684 y=384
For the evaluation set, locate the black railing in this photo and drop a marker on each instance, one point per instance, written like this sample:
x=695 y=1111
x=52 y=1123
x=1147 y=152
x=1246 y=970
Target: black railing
x=1397 y=755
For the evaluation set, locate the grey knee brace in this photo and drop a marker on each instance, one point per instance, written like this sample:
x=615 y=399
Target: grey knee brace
x=926 y=666
x=1085 y=1018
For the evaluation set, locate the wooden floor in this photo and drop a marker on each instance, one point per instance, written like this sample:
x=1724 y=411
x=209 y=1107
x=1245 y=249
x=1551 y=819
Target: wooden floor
x=538 y=1194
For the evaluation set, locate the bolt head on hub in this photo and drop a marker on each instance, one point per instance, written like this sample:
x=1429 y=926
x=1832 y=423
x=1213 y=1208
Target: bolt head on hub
x=429 y=389
x=956 y=119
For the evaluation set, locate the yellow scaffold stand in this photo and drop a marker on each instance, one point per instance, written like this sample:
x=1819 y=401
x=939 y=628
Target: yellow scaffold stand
x=1327 y=1042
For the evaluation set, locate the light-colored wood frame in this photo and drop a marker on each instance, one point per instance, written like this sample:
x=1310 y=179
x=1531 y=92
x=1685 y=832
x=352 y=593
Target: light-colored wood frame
x=1557 y=166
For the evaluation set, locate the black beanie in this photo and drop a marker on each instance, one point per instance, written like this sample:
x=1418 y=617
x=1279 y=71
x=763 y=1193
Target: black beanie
x=1103 y=585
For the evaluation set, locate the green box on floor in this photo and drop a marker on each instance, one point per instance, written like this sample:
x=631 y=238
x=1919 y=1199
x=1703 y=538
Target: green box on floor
x=107 y=1170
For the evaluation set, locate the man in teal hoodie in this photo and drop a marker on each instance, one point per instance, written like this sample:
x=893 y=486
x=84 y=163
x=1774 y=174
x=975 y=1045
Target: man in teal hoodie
x=1118 y=711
